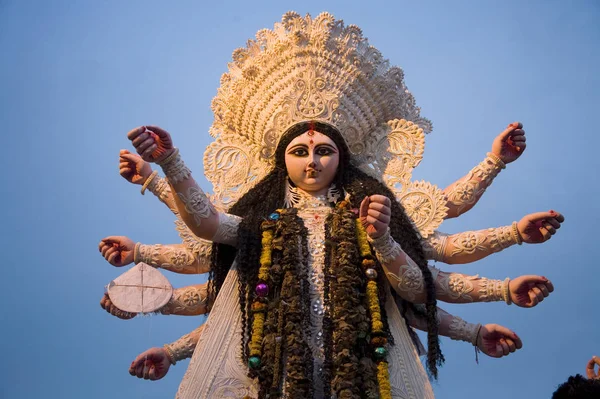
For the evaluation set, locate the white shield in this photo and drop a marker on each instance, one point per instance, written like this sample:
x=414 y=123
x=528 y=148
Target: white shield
x=142 y=289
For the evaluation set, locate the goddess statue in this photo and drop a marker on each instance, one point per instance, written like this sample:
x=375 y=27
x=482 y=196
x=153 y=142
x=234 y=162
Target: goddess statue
x=315 y=239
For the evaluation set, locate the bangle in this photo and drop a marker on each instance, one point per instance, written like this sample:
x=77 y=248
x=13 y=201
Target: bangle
x=170 y=355
x=496 y=160
x=148 y=181
x=169 y=158
x=506 y=291
x=136 y=253
x=516 y=234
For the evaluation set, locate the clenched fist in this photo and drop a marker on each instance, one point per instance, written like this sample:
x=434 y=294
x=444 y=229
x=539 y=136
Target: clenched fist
x=117 y=250
x=151 y=142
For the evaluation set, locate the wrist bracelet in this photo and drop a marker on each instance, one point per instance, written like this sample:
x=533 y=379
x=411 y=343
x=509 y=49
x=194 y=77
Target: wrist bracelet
x=506 y=291
x=516 y=234
x=148 y=181
x=170 y=355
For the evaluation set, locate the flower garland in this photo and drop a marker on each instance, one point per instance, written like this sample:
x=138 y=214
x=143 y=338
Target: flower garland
x=378 y=339
x=279 y=312
x=354 y=326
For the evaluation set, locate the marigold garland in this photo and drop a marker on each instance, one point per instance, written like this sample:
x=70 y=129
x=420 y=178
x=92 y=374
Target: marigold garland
x=383 y=378
x=377 y=327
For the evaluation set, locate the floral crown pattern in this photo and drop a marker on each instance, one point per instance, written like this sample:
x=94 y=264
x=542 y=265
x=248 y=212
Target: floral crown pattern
x=318 y=69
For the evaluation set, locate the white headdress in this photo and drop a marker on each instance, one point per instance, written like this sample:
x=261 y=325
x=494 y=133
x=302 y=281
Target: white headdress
x=318 y=69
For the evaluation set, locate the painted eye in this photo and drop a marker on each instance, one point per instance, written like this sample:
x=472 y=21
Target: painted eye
x=300 y=152
x=323 y=151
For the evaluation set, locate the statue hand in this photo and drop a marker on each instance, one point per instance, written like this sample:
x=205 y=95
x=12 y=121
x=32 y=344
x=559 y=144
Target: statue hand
x=510 y=144
x=106 y=304
x=539 y=227
x=152 y=364
x=117 y=250
x=375 y=213
x=151 y=142
x=589 y=369
x=133 y=168
x=528 y=291
x=497 y=341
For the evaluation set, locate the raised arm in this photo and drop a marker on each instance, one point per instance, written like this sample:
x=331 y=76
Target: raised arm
x=178 y=258
x=155 y=145
x=471 y=246
x=154 y=363
x=192 y=300
x=464 y=193
x=492 y=339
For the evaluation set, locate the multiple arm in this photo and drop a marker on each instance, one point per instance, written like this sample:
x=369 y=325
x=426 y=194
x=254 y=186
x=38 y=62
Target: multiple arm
x=192 y=300
x=491 y=339
x=406 y=278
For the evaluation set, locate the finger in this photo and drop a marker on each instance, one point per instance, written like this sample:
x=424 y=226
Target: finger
x=518 y=134
x=558 y=216
x=124 y=164
x=540 y=216
x=380 y=207
x=499 y=350
x=377 y=225
x=109 y=252
x=364 y=208
x=554 y=223
x=131 y=157
x=122 y=152
x=139 y=370
x=538 y=293
x=140 y=139
x=379 y=216
x=533 y=301
x=126 y=172
x=162 y=134
x=147 y=366
x=136 y=132
x=112 y=258
x=506 y=133
x=546 y=235
x=549 y=285
x=511 y=345
x=505 y=348
x=105 y=249
x=103 y=301
x=132 y=367
x=149 y=151
x=152 y=373
x=549 y=228
x=144 y=145
x=381 y=199
x=544 y=290
x=506 y=332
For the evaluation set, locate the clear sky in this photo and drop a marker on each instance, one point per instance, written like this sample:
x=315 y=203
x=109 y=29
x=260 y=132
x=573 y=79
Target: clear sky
x=76 y=76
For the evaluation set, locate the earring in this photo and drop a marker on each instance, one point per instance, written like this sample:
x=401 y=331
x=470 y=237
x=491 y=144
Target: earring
x=333 y=193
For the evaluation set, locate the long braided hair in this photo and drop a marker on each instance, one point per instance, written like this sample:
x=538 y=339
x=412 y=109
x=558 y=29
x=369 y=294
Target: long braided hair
x=268 y=195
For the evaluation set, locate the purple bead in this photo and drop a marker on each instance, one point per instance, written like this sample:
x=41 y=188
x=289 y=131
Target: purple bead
x=262 y=290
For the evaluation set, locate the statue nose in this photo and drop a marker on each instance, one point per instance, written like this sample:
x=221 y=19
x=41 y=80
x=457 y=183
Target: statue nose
x=312 y=164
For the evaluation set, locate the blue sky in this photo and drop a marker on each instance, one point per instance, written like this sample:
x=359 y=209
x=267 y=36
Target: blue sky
x=76 y=76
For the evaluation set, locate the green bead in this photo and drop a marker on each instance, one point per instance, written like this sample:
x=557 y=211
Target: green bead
x=380 y=352
x=254 y=362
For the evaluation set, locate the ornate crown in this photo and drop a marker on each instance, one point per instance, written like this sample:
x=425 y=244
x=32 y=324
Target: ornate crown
x=318 y=69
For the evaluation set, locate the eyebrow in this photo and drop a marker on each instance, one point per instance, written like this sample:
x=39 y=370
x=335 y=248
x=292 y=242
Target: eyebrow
x=302 y=145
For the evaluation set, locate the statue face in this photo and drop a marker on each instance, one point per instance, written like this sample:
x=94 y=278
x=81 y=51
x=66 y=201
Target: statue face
x=311 y=160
